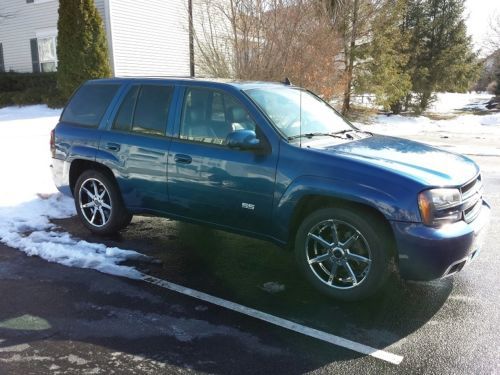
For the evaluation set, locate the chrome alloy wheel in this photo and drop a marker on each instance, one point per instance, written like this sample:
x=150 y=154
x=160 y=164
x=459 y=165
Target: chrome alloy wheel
x=95 y=202
x=338 y=254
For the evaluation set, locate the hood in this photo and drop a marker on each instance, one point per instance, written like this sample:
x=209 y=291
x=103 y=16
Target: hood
x=417 y=161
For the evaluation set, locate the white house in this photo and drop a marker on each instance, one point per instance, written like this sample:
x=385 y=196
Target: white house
x=145 y=37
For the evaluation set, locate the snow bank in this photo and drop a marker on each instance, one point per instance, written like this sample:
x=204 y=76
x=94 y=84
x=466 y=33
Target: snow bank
x=449 y=102
x=445 y=103
x=407 y=125
x=29 y=199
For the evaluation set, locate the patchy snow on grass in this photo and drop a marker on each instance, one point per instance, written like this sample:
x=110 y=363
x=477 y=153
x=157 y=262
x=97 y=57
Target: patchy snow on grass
x=29 y=199
x=363 y=100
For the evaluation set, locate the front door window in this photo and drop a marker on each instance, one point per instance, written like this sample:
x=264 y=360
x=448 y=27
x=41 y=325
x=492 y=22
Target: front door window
x=209 y=116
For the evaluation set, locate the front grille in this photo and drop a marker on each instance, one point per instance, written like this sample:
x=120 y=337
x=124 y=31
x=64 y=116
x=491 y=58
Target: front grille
x=456 y=268
x=472 y=199
x=471 y=213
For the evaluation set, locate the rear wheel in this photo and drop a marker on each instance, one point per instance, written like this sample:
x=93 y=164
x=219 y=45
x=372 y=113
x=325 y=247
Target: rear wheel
x=98 y=203
x=343 y=253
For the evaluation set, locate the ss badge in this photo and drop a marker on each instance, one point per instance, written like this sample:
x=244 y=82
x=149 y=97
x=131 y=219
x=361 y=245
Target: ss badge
x=248 y=206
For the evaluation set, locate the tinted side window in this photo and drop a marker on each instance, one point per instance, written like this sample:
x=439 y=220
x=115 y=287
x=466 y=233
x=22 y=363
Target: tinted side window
x=209 y=116
x=218 y=113
x=89 y=103
x=144 y=110
x=151 y=110
x=123 y=120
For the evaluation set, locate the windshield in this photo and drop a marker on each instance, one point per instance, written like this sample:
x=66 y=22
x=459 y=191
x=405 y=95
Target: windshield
x=282 y=106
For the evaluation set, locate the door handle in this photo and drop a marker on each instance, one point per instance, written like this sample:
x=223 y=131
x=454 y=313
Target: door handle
x=183 y=159
x=113 y=146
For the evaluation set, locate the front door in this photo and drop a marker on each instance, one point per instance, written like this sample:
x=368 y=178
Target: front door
x=210 y=181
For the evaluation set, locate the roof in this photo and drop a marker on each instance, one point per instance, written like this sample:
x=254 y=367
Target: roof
x=241 y=85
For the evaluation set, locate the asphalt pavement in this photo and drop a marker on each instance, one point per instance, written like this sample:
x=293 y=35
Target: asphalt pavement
x=60 y=320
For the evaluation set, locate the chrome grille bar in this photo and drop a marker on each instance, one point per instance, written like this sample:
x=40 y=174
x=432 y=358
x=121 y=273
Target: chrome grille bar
x=472 y=198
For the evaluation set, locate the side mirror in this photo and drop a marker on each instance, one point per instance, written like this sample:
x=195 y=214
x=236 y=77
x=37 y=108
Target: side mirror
x=244 y=140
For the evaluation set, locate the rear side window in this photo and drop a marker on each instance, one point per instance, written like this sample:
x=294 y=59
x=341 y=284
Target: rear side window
x=88 y=104
x=125 y=116
x=145 y=110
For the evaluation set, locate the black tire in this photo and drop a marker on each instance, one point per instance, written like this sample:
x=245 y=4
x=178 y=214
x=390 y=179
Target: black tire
x=372 y=243
x=115 y=218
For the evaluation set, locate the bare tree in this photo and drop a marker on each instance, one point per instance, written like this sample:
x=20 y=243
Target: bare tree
x=333 y=8
x=492 y=40
x=268 y=40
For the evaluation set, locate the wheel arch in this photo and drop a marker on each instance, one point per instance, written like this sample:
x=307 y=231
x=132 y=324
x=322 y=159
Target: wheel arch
x=78 y=166
x=310 y=203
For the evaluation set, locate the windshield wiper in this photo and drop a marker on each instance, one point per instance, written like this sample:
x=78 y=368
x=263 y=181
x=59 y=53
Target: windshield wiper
x=310 y=135
x=355 y=131
x=344 y=131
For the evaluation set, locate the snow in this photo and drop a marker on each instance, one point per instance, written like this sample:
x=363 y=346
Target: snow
x=445 y=102
x=398 y=125
x=458 y=116
x=364 y=100
x=449 y=102
x=29 y=199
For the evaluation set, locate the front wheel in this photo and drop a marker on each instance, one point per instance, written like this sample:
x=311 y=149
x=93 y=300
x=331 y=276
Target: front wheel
x=343 y=253
x=98 y=203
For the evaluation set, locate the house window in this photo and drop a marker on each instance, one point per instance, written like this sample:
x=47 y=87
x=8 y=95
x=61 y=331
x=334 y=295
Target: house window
x=47 y=54
x=38 y=1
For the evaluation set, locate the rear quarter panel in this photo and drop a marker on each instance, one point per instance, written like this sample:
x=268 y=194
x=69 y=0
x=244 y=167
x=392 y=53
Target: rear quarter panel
x=73 y=141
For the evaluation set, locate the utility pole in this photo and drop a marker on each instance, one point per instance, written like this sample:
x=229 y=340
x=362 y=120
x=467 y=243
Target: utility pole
x=191 y=39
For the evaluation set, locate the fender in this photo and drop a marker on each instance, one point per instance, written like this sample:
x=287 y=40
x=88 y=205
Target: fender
x=81 y=152
x=108 y=159
x=61 y=164
x=85 y=153
x=387 y=204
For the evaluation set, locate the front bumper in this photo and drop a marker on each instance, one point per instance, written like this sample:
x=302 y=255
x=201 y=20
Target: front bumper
x=427 y=253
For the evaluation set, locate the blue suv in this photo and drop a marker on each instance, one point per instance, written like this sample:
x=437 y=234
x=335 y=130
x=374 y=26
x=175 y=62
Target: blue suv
x=272 y=161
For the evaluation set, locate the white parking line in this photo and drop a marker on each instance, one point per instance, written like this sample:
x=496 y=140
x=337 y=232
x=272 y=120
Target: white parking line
x=311 y=332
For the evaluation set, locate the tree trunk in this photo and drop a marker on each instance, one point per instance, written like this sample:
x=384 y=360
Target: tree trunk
x=424 y=101
x=346 y=105
x=407 y=103
x=397 y=107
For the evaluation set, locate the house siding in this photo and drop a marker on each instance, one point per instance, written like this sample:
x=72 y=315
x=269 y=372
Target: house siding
x=144 y=38
x=24 y=20
x=149 y=39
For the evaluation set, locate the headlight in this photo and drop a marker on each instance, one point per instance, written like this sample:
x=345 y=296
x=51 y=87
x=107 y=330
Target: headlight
x=440 y=206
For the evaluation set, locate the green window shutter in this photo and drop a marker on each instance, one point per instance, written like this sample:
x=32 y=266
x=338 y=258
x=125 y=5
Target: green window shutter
x=34 y=55
x=2 y=63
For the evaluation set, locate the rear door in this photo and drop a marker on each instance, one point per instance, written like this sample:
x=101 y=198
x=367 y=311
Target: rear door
x=136 y=145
